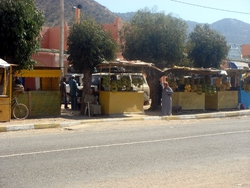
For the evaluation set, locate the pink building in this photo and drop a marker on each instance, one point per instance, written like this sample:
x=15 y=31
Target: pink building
x=48 y=55
x=245 y=51
x=51 y=40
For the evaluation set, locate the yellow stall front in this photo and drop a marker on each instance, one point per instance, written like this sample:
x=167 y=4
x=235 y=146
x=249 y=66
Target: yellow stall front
x=5 y=90
x=46 y=99
x=222 y=100
x=121 y=102
x=189 y=100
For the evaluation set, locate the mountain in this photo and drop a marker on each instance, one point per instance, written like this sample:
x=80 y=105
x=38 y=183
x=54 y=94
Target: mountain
x=235 y=31
x=90 y=8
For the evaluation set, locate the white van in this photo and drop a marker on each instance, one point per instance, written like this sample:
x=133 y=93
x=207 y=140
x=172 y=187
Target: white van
x=95 y=82
x=78 y=78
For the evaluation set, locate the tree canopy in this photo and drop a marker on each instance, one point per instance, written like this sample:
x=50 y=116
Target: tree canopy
x=20 y=26
x=154 y=37
x=89 y=45
x=206 y=47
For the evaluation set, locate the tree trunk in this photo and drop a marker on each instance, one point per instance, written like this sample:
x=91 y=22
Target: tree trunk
x=154 y=84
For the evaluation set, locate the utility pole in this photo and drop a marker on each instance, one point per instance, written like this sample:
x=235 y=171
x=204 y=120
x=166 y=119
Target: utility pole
x=61 y=54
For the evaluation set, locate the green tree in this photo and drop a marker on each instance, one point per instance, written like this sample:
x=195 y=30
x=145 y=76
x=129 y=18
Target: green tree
x=206 y=47
x=20 y=26
x=88 y=46
x=157 y=38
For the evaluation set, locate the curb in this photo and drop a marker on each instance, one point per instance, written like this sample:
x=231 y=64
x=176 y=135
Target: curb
x=9 y=128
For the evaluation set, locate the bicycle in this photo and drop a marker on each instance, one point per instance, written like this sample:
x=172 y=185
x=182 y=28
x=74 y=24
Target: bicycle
x=19 y=110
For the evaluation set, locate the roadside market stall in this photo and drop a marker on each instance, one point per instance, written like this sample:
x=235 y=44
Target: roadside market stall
x=42 y=95
x=240 y=81
x=122 y=93
x=200 y=89
x=5 y=90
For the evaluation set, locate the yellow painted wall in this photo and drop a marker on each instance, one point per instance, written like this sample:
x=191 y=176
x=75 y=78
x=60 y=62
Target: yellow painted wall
x=222 y=100
x=189 y=100
x=5 y=97
x=121 y=102
x=5 y=109
x=49 y=84
x=42 y=103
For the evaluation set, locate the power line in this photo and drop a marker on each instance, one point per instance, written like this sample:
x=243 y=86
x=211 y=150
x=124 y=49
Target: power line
x=211 y=7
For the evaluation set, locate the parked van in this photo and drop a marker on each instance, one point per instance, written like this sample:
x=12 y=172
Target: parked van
x=95 y=82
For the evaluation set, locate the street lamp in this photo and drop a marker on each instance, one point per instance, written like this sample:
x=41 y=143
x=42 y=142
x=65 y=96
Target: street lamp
x=61 y=54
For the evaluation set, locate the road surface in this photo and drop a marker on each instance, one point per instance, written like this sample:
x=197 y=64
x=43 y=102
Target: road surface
x=185 y=153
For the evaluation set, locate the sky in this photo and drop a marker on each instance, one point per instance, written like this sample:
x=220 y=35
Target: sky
x=204 y=11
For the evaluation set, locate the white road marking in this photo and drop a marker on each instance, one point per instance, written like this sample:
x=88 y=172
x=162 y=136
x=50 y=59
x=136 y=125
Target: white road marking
x=122 y=144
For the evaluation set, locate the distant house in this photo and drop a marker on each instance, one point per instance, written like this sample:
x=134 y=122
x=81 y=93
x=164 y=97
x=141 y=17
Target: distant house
x=234 y=52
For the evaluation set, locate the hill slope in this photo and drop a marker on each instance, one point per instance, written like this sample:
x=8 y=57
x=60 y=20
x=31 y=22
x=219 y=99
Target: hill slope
x=235 y=31
x=90 y=8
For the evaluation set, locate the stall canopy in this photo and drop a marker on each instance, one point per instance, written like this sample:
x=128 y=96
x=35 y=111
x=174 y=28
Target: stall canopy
x=119 y=63
x=198 y=71
x=3 y=64
x=42 y=73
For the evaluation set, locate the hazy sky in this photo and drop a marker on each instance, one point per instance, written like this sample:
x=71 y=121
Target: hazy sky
x=181 y=8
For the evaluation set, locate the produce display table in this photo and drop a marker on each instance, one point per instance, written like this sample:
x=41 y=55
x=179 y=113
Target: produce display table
x=222 y=100
x=189 y=100
x=121 y=102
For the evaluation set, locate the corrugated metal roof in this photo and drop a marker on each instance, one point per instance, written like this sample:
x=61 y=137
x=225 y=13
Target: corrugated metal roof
x=238 y=65
x=3 y=64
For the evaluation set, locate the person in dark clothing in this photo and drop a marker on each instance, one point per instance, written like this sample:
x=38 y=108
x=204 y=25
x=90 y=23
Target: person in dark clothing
x=73 y=93
x=64 y=93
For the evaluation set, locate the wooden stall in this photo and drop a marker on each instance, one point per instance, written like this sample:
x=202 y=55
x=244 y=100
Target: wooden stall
x=5 y=90
x=229 y=98
x=184 y=82
x=122 y=100
x=45 y=98
x=240 y=79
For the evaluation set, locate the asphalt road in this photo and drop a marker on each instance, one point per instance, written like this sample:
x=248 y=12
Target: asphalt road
x=183 y=153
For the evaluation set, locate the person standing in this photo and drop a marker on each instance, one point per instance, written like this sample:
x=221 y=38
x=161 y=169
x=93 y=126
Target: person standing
x=73 y=92
x=64 y=92
x=166 y=108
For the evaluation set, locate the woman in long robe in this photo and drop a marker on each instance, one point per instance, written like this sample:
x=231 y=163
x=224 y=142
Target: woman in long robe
x=166 y=108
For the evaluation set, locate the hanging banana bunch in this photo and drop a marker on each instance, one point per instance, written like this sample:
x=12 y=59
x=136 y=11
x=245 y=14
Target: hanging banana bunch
x=218 y=82
x=247 y=84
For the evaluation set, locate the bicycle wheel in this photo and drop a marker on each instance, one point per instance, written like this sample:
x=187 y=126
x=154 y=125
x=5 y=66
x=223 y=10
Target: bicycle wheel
x=20 y=111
